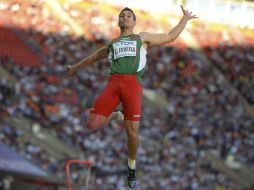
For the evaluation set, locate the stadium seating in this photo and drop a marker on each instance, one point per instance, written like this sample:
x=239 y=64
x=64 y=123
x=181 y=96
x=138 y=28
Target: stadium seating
x=204 y=112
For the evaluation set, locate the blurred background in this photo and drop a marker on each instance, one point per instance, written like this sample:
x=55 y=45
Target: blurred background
x=198 y=112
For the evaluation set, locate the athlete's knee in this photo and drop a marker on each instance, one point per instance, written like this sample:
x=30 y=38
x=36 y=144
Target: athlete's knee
x=94 y=122
x=91 y=124
x=133 y=134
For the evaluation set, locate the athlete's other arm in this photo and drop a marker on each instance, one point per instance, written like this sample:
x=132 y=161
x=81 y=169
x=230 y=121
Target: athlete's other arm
x=95 y=56
x=161 y=39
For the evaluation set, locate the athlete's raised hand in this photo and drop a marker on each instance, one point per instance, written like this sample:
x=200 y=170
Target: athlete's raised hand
x=71 y=69
x=188 y=14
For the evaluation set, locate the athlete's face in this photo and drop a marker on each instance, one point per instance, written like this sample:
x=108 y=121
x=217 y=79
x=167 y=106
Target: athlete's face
x=126 y=20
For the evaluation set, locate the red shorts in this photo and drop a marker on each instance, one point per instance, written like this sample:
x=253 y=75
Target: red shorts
x=120 y=88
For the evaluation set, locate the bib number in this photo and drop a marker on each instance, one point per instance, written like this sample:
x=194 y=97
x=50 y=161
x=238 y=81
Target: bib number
x=125 y=48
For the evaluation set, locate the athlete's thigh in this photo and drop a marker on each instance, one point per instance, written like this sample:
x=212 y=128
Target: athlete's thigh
x=132 y=96
x=107 y=101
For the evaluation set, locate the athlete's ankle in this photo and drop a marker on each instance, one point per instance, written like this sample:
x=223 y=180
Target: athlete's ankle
x=131 y=163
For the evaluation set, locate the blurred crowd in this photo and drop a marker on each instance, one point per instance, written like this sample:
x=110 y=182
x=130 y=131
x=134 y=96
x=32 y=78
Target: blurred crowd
x=204 y=112
x=24 y=145
x=236 y=63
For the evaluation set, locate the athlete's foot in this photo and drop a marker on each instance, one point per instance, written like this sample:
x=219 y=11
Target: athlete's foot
x=132 y=179
x=119 y=116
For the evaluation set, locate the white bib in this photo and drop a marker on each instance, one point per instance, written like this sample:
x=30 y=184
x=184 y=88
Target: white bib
x=125 y=48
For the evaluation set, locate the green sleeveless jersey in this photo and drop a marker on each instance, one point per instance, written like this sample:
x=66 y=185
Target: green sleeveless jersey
x=127 y=56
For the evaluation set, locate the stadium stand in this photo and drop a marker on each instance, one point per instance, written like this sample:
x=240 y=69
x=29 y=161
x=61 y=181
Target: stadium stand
x=203 y=113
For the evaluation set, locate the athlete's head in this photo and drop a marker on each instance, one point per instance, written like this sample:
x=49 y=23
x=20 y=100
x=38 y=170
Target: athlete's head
x=127 y=18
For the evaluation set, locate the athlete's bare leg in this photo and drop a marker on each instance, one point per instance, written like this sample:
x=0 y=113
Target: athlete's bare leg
x=133 y=139
x=96 y=121
x=133 y=142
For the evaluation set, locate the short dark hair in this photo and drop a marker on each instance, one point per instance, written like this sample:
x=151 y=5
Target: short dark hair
x=128 y=9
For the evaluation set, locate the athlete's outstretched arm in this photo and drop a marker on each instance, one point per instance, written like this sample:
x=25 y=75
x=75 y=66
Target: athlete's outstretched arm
x=95 y=56
x=161 y=39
